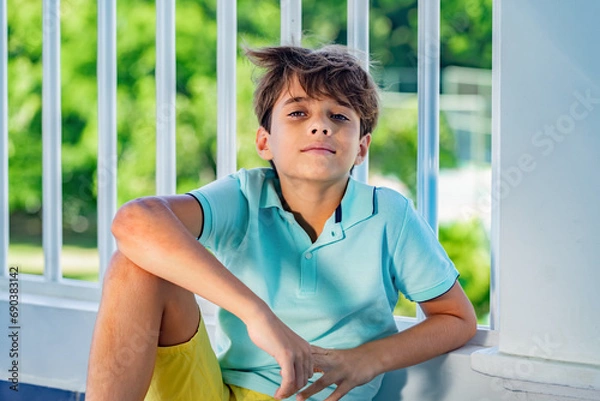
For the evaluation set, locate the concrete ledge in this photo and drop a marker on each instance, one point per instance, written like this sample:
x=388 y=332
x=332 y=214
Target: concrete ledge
x=539 y=376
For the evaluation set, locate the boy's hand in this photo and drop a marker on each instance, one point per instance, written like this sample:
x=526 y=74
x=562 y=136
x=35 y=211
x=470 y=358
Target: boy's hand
x=292 y=353
x=345 y=368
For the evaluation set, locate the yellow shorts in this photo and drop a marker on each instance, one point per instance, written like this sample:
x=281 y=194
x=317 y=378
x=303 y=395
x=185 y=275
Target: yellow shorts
x=191 y=372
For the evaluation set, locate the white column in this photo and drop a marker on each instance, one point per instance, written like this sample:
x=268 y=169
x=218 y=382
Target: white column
x=358 y=42
x=107 y=129
x=226 y=81
x=548 y=190
x=51 y=141
x=166 y=165
x=291 y=22
x=4 y=219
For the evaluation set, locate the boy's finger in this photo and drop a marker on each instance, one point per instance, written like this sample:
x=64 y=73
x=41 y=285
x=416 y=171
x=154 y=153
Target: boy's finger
x=339 y=392
x=301 y=374
x=313 y=389
x=288 y=382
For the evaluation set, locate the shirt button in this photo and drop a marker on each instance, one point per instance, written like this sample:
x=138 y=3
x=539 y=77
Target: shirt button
x=308 y=255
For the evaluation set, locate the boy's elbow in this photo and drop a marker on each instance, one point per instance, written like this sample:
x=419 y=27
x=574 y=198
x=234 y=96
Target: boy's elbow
x=470 y=324
x=472 y=328
x=131 y=218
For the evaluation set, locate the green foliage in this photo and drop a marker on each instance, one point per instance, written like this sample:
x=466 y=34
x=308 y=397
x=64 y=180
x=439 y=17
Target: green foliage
x=394 y=145
x=465 y=32
x=466 y=40
x=467 y=244
x=393 y=33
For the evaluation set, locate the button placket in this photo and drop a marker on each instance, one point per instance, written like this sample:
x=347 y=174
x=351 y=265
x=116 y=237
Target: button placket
x=308 y=273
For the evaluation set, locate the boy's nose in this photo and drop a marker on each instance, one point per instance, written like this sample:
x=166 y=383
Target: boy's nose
x=320 y=124
x=325 y=131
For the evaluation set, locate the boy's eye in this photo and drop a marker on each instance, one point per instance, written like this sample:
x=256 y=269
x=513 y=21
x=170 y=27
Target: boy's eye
x=340 y=117
x=296 y=114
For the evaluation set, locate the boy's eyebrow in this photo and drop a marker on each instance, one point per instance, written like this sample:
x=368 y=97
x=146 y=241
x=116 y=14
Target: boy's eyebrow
x=299 y=99
x=294 y=99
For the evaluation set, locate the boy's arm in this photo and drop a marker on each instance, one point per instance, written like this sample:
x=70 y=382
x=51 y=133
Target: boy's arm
x=159 y=235
x=450 y=323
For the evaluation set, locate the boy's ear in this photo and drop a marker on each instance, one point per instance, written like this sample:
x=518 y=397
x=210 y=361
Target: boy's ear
x=262 y=144
x=363 y=149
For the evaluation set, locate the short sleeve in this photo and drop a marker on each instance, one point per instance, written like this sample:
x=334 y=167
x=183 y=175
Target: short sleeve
x=423 y=269
x=225 y=211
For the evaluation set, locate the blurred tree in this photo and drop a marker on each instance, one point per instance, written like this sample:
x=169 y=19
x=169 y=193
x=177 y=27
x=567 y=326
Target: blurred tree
x=393 y=42
x=394 y=146
x=466 y=40
x=467 y=244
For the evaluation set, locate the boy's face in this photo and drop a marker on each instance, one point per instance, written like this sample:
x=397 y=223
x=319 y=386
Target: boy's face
x=312 y=139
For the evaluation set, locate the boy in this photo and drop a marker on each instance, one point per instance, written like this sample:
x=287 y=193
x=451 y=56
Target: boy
x=307 y=267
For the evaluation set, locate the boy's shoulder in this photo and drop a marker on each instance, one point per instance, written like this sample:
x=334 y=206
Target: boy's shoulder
x=258 y=186
x=363 y=201
x=252 y=179
x=390 y=200
x=254 y=176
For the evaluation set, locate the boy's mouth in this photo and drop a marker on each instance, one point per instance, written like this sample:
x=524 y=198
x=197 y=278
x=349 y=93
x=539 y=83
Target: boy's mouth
x=318 y=147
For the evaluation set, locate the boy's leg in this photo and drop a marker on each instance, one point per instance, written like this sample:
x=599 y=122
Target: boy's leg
x=138 y=312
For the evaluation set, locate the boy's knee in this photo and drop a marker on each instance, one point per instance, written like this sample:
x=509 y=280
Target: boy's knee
x=122 y=271
x=124 y=276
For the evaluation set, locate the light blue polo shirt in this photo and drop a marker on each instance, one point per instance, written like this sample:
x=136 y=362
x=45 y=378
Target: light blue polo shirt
x=338 y=292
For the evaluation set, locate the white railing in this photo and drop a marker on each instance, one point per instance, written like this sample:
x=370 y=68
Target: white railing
x=291 y=33
x=291 y=22
x=429 y=109
x=496 y=175
x=226 y=84
x=107 y=129
x=428 y=76
x=166 y=167
x=51 y=139
x=358 y=40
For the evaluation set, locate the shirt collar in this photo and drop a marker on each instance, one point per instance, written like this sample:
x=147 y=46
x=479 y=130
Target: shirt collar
x=358 y=202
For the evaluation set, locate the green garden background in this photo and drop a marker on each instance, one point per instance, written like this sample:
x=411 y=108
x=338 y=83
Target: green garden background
x=465 y=41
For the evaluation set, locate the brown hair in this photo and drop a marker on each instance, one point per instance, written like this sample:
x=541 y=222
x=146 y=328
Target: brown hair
x=327 y=72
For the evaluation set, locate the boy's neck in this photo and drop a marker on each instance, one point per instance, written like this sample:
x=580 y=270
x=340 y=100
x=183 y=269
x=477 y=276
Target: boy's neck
x=312 y=203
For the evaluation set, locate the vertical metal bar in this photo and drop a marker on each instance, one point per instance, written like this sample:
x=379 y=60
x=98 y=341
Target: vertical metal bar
x=226 y=81
x=495 y=230
x=291 y=22
x=428 y=95
x=107 y=129
x=51 y=142
x=358 y=42
x=4 y=218
x=166 y=166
